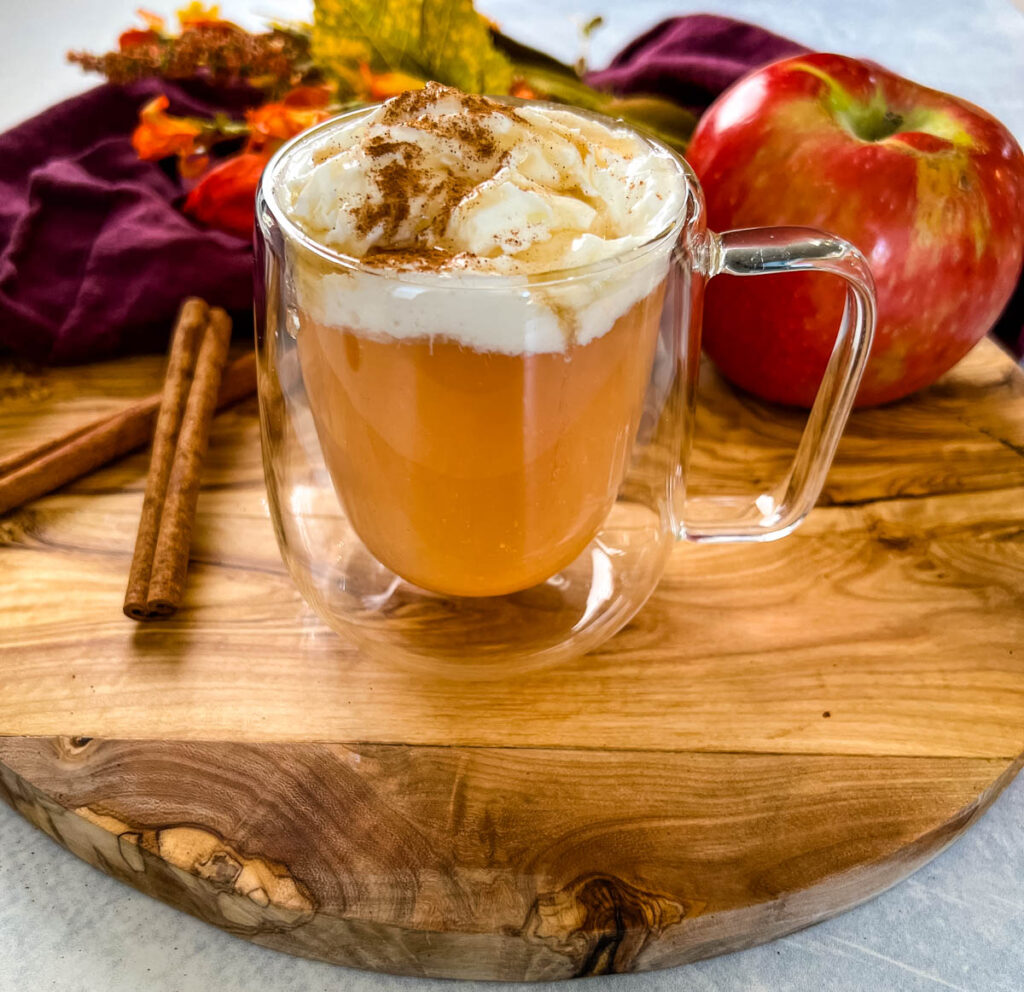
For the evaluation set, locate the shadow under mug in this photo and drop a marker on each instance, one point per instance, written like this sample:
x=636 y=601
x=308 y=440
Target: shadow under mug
x=463 y=505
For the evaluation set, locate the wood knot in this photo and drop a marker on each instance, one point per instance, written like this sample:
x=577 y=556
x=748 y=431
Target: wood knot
x=891 y=538
x=895 y=543
x=242 y=892
x=261 y=881
x=603 y=922
x=16 y=527
x=24 y=381
x=71 y=748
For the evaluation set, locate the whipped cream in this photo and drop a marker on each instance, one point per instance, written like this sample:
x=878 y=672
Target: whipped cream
x=461 y=187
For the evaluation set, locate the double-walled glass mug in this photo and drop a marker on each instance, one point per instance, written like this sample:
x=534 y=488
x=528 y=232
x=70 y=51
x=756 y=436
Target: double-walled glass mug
x=437 y=499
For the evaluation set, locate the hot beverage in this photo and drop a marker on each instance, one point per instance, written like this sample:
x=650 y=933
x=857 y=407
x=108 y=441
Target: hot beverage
x=477 y=423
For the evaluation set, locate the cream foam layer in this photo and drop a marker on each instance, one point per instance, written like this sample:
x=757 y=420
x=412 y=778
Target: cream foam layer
x=465 y=187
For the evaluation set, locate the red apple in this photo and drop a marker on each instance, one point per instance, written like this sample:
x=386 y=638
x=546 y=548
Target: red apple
x=929 y=187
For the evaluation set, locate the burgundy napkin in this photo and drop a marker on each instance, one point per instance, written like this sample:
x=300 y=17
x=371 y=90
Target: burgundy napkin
x=95 y=254
x=692 y=59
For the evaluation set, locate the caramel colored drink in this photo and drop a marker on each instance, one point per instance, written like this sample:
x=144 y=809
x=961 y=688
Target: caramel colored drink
x=486 y=473
x=477 y=419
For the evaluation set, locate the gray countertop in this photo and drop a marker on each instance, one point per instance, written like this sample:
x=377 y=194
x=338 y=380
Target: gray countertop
x=956 y=924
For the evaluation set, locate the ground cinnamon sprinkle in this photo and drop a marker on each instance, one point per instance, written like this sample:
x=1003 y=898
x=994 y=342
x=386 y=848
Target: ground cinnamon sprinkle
x=402 y=178
x=379 y=146
x=323 y=154
x=476 y=139
x=411 y=104
x=408 y=104
x=419 y=259
x=399 y=180
x=453 y=190
x=424 y=179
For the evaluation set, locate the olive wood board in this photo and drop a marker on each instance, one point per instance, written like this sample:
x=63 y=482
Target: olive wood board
x=785 y=730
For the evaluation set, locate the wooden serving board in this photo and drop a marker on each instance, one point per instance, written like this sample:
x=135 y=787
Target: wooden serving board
x=785 y=730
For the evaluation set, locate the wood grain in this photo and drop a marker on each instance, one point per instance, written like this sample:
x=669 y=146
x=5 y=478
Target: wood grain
x=783 y=731
x=484 y=863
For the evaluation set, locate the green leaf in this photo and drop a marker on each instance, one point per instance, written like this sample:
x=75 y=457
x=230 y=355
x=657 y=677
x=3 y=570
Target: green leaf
x=525 y=57
x=446 y=40
x=554 y=80
x=664 y=119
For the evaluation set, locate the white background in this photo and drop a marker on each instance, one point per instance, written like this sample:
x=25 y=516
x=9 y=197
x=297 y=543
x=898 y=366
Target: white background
x=974 y=48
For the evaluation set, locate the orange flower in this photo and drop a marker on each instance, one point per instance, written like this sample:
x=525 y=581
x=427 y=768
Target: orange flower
x=153 y=21
x=159 y=134
x=225 y=197
x=384 y=85
x=276 y=122
x=137 y=38
x=141 y=37
x=309 y=96
x=193 y=165
x=522 y=90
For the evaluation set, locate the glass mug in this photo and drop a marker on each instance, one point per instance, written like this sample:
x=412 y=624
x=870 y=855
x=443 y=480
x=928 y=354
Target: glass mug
x=437 y=502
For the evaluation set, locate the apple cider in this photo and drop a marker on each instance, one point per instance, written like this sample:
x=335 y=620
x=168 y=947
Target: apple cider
x=477 y=473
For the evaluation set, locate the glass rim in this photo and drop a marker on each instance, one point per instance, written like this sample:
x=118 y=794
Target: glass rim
x=470 y=279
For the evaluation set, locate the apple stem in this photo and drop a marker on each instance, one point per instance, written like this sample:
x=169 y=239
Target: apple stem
x=874 y=128
x=869 y=121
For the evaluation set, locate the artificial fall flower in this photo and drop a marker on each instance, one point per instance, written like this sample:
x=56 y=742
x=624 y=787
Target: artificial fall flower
x=384 y=85
x=198 y=13
x=206 y=45
x=151 y=34
x=299 y=109
x=225 y=197
x=152 y=21
x=319 y=96
x=136 y=38
x=160 y=134
x=522 y=90
x=192 y=165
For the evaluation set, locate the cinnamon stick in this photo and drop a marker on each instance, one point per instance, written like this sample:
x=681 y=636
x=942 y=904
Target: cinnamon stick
x=34 y=472
x=185 y=341
x=18 y=459
x=85 y=451
x=170 y=558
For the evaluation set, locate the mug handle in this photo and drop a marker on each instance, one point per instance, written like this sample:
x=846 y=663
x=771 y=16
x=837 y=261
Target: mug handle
x=763 y=251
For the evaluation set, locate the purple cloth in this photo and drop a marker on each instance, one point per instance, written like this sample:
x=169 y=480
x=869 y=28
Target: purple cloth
x=1010 y=326
x=95 y=254
x=692 y=59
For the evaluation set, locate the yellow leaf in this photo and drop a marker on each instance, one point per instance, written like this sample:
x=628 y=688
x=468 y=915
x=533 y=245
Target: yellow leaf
x=198 y=13
x=446 y=40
